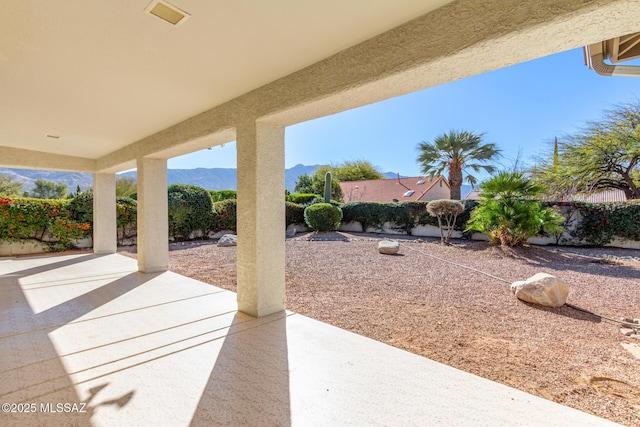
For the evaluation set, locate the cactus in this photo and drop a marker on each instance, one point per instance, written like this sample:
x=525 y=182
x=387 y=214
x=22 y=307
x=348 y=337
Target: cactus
x=327 y=187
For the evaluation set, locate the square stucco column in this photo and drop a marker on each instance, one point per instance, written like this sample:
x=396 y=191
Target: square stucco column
x=104 y=213
x=261 y=220
x=153 y=221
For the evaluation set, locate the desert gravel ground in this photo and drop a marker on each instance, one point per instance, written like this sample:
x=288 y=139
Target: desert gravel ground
x=463 y=318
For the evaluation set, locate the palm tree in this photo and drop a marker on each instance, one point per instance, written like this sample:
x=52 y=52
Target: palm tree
x=457 y=152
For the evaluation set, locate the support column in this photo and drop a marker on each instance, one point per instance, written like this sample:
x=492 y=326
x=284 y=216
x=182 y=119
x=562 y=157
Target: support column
x=104 y=214
x=153 y=221
x=261 y=219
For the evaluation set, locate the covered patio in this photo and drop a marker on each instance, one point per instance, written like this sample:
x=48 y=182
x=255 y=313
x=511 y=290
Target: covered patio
x=121 y=347
x=102 y=88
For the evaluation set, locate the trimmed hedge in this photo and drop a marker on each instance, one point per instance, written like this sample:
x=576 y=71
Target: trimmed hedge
x=59 y=222
x=81 y=209
x=224 y=216
x=302 y=198
x=603 y=222
x=403 y=215
x=323 y=216
x=218 y=196
x=189 y=209
x=294 y=213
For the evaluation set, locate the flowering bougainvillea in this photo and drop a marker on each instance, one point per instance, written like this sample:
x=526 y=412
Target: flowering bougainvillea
x=48 y=221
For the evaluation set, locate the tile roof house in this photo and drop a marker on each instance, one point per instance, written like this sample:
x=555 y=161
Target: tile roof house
x=602 y=196
x=473 y=195
x=396 y=189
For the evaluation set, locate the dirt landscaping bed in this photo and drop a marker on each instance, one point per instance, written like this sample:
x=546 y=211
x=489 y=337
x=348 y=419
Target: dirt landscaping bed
x=463 y=318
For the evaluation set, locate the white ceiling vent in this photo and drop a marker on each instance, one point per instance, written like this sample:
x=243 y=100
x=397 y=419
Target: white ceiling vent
x=167 y=12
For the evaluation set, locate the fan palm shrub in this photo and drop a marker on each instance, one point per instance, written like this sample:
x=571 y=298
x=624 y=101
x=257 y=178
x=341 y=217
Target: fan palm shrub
x=509 y=212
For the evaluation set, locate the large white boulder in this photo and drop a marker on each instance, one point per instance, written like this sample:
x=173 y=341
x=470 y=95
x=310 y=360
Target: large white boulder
x=388 y=247
x=228 y=240
x=542 y=289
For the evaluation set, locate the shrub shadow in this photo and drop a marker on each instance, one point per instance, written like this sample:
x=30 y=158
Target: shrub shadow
x=542 y=257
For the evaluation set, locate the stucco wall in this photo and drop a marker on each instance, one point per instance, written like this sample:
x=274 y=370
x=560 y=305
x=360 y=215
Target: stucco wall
x=27 y=247
x=432 y=231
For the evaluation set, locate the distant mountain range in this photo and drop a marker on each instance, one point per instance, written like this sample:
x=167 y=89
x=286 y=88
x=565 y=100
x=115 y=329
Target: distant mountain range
x=28 y=178
x=209 y=178
x=223 y=178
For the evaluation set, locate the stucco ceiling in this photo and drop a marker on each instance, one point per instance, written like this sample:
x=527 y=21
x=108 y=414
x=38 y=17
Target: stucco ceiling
x=104 y=74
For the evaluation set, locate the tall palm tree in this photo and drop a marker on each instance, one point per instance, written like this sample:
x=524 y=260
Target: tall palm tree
x=457 y=152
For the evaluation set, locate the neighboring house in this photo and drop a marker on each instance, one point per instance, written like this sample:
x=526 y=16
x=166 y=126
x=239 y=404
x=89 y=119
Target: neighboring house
x=396 y=189
x=472 y=195
x=603 y=196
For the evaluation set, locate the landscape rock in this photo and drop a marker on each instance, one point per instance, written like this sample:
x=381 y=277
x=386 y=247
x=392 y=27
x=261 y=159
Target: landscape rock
x=627 y=332
x=228 y=240
x=388 y=247
x=542 y=289
x=291 y=231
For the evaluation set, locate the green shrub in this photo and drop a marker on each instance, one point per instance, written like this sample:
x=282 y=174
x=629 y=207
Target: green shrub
x=218 y=196
x=463 y=218
x=81 y=207
x=323 y=216
x=189 y=209
x=81 y=210
x=403 y=215
x=602 y=222
x=302 y=198
x=368 y=214
x=315 y=183
x=126 y=215
x=321 y=200
x=508 y=212
x=224 y=216
x=294 y=213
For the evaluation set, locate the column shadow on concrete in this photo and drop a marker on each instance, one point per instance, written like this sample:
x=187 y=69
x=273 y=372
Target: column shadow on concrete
x=249 y=383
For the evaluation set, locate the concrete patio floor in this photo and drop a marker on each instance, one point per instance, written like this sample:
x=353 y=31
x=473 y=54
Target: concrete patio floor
x=125 y=348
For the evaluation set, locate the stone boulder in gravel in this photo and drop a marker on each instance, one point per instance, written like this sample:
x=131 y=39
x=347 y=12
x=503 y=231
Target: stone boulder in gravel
x=542 y=289
x=388 y=247
x=228 y=240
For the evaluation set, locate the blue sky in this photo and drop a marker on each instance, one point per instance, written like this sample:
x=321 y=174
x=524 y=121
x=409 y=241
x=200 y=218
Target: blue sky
x=519 y=108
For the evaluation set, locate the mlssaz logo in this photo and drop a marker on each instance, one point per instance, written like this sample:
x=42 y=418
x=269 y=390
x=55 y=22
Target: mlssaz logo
x=63 y=407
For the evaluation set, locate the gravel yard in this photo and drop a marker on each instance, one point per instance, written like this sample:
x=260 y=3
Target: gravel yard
x=463 y=318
